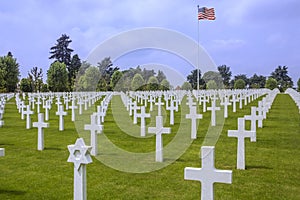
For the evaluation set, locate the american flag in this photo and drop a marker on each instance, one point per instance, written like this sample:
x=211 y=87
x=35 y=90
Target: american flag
x=206 y=13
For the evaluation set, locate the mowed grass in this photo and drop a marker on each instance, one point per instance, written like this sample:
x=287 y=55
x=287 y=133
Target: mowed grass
x=272 y=162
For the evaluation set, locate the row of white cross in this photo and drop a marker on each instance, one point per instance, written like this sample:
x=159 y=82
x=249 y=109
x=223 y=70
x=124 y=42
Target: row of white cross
x=207 y=175
x=295 y=96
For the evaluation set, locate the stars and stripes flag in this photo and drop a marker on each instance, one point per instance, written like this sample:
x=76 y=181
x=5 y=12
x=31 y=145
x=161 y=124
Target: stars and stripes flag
x=206 y=13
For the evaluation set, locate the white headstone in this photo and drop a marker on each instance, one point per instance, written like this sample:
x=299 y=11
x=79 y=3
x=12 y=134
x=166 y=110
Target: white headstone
x=40 y=125
x=193 y=116
x=208 y=174
x=241 y=134
x=159 y=130
x=143 y=115
x=135 y=108
x=94 y=128
x=80 y=156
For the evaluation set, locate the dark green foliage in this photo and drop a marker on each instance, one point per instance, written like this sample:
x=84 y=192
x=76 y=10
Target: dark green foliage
x=225 y=74
x=298 y=84
x=26 y=85
x=281 y=76
x=57 y=77
x=257 y=81
x=271 y=83
x=243 y=77
x=160 y=76
x=186 y=86
x=213 y=76
x=60 y=51
x=73 y=69
x=36 y=77
x=192 y=79
x=9 y=73
x=239 y=84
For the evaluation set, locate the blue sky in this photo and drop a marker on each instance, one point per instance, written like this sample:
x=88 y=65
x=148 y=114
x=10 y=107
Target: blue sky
x=250 y=36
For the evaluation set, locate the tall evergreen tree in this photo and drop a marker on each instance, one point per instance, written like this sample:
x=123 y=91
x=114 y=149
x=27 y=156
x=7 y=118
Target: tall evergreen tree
x=257 y=81
x=160 y=76
x=60 y=51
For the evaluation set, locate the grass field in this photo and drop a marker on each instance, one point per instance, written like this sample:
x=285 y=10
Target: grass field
x=272 y=163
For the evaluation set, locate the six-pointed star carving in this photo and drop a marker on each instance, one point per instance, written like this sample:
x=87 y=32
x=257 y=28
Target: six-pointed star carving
x=79 y=153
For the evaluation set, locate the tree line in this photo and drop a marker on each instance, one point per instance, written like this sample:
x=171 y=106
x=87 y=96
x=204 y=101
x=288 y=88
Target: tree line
x=68 y=73
x=222 y=79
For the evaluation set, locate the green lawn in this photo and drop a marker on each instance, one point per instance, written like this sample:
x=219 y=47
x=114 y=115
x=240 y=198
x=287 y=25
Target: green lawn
x=272 y=162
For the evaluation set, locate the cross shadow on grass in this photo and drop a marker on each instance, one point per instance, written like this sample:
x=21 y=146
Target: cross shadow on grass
x=253 y=167
x=12 y=192
x=53 y=148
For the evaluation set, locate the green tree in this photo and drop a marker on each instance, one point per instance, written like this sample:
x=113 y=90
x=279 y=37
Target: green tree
x=9 y=70
x=152 y=83
x=239 y=84
x=92 y=77
x=211 y=85
x=146 y=74
x=114 y=82
x=257 y=81
x=186 y=86
x=161 y=76
x=243 y=77
x=215 y=76
x=106 y=70
x=225 y=74
x=57 y=77
x=26 y=85
x=137 y=82
x=298 y=84
x=164 y=85
x=280 y=74
x=271 y=83
x=60 y=51
x=192 y=79
x=73 y=69
x=36 y=77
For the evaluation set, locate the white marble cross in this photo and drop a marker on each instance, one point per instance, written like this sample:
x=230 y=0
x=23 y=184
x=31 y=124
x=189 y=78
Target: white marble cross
x=213 y=110
x=80 y=103
x=234 y=100
x=40 y=125
x=159 y=130
x=172 y=108
x=193 y=116
x=151 y=101
x=208 y=174
x=1 y=123
x=28 y=112
x=38 y=103
x=253 y=118
x=100 y=115
x=47 y=106
x=61 y=113
x=143 y=115
x=226 y=103
x=80 y=156
x=135 y=108
x=94 y=128
x=73 y=107
x=159 y=104
x=241 y=134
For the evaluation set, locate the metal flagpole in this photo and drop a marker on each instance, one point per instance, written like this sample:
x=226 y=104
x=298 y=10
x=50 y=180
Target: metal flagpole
x=198 y=52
